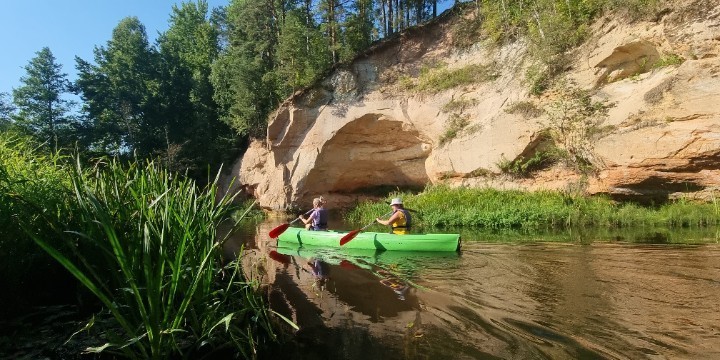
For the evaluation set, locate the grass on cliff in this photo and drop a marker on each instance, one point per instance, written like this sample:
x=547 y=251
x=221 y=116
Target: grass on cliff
x=436 y=78
x=441 y=206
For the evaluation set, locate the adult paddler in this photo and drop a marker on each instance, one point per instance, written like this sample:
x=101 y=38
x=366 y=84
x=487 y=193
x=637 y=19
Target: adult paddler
x=400 y=219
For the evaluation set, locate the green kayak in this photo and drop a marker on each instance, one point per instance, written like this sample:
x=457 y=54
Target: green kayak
x=372 y=240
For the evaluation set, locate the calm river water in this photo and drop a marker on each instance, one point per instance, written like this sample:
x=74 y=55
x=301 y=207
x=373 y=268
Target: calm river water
x=508 y=300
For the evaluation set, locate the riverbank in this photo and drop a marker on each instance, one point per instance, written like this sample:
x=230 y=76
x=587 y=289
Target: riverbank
x=442 y=206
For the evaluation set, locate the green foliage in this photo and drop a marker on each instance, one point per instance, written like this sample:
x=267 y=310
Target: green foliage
x=6 y=111
x=302 y=53
x=459 y=105
x=145 y=244
x=525 y=166
x=142 y=240
x=42 y=110
x=195 y=138
x=29 y=177
x=244 y=78
x=442 y=206
x=526 y=109
x=358 y=29
x=668 y=60
x=539 y=79
x=120 y=93
x=574 y=121
x=636 y=9
x=551 y=27
x=434 y=79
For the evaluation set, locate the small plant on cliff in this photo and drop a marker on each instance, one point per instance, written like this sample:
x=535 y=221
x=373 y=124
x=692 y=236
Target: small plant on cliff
x=668 y=60
x=455 y=125
x=522 y=166
x=459 y=105
x=573 y=123
x=526 y=109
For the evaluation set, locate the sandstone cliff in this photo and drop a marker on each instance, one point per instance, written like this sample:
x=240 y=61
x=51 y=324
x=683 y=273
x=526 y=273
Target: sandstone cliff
x=358 y=129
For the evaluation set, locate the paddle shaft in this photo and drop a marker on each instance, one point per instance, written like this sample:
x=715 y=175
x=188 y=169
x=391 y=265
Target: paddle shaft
x=373 y=222
x=351 y=235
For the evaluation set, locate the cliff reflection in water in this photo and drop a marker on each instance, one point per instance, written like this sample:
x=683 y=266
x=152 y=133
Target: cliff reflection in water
x=499 y=300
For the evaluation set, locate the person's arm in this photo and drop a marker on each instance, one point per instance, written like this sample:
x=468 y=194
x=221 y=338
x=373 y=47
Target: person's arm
x=390 y=220
x=309 y=218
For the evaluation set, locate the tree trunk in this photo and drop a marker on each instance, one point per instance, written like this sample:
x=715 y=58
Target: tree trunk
x=308 y=24
x=391 y=18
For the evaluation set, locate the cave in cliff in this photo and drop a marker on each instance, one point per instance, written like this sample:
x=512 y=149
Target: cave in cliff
x=369 y=152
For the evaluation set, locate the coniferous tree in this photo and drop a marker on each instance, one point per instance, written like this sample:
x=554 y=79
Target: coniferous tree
x=302 y=53
x=42 y=110
x=332 y=12
x=358 y=28
x=246 y=85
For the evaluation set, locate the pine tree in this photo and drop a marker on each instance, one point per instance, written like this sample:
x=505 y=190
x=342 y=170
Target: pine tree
x=246 y=85
x=358 y=28
x=42 y=110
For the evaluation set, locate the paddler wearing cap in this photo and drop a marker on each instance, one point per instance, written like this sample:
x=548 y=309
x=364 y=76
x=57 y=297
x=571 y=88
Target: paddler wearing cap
x=400 y=219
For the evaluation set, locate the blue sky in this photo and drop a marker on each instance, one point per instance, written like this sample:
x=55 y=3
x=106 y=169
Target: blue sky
x=69 y=28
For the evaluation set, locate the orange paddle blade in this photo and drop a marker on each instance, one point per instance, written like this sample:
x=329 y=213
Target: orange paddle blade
x=279 y=257
x=278 y=230
x=349 y=236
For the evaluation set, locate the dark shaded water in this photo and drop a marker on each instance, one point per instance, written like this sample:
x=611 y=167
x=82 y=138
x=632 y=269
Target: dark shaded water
x=511 y=300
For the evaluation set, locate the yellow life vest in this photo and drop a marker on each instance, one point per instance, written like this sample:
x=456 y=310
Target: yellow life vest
x=399 y=226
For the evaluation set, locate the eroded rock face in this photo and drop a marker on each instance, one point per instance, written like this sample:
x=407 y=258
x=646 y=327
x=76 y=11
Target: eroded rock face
x=357 y=130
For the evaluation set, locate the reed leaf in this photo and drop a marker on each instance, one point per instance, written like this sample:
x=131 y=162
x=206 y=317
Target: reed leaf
x=145 y=244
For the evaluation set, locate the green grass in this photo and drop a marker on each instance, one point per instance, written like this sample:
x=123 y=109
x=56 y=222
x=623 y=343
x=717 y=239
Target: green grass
x=441 y=206
x=668 y=60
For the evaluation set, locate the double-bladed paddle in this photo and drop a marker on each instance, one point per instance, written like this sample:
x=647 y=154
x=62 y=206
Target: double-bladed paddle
x=351 y=235
x=281 y=228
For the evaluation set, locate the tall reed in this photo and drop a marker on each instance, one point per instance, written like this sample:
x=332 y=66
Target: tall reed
x=146 y=246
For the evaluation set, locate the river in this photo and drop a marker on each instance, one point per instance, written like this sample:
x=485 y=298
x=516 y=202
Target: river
x=494 y=299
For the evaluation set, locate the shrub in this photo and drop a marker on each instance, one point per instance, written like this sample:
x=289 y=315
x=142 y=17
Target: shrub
x=526 y=109
x=525 y=166
x=574 y=120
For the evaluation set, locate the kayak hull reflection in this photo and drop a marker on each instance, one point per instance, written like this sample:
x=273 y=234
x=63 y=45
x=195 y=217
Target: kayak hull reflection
x=373 y=240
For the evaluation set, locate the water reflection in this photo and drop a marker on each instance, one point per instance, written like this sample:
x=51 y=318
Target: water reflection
x=510 y=300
